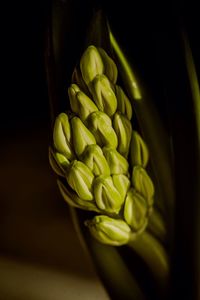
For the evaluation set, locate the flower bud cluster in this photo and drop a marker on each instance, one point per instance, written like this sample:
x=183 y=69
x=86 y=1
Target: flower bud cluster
x=92 y=147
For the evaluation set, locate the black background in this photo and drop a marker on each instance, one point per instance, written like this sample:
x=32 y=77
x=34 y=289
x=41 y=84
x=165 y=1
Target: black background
x=24 y=88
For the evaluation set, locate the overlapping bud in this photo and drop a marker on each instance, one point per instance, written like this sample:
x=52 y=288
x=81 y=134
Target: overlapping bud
x=80 y=179
x=103 y=95
x=92 y=145
x=106 y=194
x=135 y=210
x=110 y=68
x=123 y=129
x=101 y=126
x=139 y=154
x=58 y=162
x=80 y=103
x=82 y=135
x=91 y=64
x=143 y=184
x=118 y=164
x=62 y=136
x=109 y=231
x=95 y=160
x=74 y=200
x=123 y=103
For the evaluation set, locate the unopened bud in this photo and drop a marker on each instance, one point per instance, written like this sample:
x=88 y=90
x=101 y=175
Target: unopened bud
x=56 y=166
x=110 y=68
x=80 y=103
x=74 y=200
x=109 y=231
x=135 y=210
x=123 y=129
x=80 y=179
x=62 y=136
x=81 y=136
x=93 y=157
x=139 y=154
x=101 y=126
x=123 y=103
x=103 y=95
x=117 y=163
x=122 y=184
x=143 y=184
x=91 y=64
x=106 y=195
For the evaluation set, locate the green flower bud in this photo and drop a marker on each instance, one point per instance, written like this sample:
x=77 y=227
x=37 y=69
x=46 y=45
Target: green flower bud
x=122 y=184
x=106 y=195
x=143 y=184
x=101 y=126
x=110 y=69
x=103 y=95
x=58 y=162
x=91 y=64
x=80 y=103
x=81 y=136
x=62 y=160
x=117 y=163
x=93 y=157
x=109 y=231
x=123 y=103
x=135 y=210
x=139 y=154
x=54 y=163
x=80 y=179
x=73 y=200
x=123 y=129
x=62 y=136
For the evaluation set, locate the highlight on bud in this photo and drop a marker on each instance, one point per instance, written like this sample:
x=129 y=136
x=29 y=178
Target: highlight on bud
x=109 y=231
x=73 y=200
x=139 y=154
x=62 y=137
x=143 y=184
x=123 y=103
x=101 y=127
x=80 y=103
x=110 y=68
x=54 y=164
x=80 y=179
x=135 y=210
x=117 y=163
x=81 y=136
x=106 y=195
x=123 y=129
x=91 y=64
x=58 y=162
x=122 y=184
x=103 y=95
x=93 y=157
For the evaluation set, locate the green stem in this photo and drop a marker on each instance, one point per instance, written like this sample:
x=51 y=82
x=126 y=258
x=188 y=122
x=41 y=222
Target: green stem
x=155 y=257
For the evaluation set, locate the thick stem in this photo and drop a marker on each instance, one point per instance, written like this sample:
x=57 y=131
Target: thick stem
x=154 y=256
